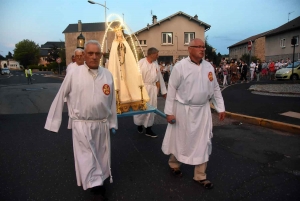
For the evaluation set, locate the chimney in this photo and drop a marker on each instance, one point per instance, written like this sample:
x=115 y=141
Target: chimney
x=79 y=26
x=154 y=19
x=196 y=17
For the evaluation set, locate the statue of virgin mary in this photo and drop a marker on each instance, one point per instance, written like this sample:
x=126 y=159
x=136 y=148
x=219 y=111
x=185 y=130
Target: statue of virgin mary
x=125 y=70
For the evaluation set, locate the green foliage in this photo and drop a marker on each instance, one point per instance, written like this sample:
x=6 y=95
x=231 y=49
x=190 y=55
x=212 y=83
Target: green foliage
x=245 y=57
x=53 y=53
x=9 y=55
x=211 y=54
x=27 y=52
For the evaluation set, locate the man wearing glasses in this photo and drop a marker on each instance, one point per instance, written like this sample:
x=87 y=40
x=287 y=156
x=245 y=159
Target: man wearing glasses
x=192 y=85
x=92 y=107
x=79 y=60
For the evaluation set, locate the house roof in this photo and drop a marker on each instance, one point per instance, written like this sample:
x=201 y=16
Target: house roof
x=201 y=23
x=43 y=52
x=49 y=44
x=86 y=27
x=252 y=38
x=291 y=25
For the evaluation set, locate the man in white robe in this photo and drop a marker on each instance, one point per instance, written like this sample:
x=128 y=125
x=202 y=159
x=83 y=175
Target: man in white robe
x=92 y=107
x=78 y=61
x=192 y=85
x=151 y=75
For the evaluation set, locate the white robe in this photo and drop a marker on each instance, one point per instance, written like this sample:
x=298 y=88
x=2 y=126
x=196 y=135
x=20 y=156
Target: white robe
x=151 y=74
x=92 y=108
x=70 y=67
x=189 y=91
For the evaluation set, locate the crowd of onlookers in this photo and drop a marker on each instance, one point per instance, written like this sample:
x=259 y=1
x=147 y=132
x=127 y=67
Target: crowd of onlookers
x=233 y=71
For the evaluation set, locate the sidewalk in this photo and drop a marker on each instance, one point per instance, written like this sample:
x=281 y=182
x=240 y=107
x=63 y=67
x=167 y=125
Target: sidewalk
x=264 y=103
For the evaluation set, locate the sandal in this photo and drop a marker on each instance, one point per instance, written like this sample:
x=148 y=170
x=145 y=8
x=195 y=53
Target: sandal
x=205 y=183
x=176 y=172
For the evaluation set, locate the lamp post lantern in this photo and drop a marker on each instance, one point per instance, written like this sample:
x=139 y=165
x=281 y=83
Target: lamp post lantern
x=80 y=41
x=93 y=2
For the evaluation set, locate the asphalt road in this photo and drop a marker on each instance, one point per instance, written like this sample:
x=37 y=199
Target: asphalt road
x=247 y=162
x=238 y=99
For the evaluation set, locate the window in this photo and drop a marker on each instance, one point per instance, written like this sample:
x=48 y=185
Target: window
x=297 y=40
x=143 y=42
x=167 y=38
x=140 y=43
x=282 y=42
x=188 y=36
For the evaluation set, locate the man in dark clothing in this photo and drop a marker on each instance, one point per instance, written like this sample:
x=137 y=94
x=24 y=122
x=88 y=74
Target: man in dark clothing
x=244 y=72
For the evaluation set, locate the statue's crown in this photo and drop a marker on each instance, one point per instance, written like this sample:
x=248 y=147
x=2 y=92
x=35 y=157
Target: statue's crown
x=117 y=28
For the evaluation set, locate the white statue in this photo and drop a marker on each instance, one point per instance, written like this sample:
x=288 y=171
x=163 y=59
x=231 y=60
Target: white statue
x=124 y=68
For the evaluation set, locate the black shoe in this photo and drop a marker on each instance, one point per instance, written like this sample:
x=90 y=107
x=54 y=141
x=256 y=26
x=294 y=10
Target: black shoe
x=140 y=129
x=150 y=133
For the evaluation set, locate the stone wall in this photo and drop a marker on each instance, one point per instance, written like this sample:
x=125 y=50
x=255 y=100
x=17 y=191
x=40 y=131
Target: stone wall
x=260 y=48
x=71 y=41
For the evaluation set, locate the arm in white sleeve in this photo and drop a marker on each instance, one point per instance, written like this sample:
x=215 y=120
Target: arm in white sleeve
x=217 y=98
x=163 y=88
x=54 y=117
x=112 y=119
x=173 y=85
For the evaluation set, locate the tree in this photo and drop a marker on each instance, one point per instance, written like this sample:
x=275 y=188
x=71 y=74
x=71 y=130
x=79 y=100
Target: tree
x=53 y=54
x=9 y=55
x=27 y=52
x=210 y=53
x=245 y=57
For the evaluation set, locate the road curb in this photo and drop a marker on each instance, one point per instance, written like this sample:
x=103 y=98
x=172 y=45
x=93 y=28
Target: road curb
x=291 y=128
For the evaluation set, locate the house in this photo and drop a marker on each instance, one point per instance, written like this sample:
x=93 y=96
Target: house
x=258 y=47
x=274 y=44
x=278 y=41
x=90 y=31
x=44 y=50
x=171 y=35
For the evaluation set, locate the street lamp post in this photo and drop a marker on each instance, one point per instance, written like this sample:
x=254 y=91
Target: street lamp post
x=93 y=2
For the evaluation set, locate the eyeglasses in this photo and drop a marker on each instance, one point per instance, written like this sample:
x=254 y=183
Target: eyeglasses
x=78 y=56
x=199 y=46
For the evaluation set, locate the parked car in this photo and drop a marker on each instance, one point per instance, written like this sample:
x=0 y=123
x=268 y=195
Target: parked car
x=286 y=73
x=5 y=71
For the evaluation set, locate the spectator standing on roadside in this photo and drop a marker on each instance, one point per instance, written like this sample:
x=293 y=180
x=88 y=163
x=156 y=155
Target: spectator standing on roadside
x=252 y=67
x=28 y=74
x=271 y=67
x=258 y=68
x=234 y=73
x=244 y=70
x=264 y=72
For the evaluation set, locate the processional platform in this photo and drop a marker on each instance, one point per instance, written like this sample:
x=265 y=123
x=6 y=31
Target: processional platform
x=150 y=109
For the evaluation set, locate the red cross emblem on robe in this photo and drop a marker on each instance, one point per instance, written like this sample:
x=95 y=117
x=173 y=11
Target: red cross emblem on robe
x=106 y=89
x=210 y=76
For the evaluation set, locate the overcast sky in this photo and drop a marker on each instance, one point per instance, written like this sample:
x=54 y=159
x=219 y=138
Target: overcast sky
x=231 y=20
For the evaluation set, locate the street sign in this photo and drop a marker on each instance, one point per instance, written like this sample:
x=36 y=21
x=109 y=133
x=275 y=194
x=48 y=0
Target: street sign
x=249 y=45
x=58 y=60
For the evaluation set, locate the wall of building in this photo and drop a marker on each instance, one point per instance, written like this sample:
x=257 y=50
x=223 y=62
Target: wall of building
x=177 y=25
x=259 y=48
x=275 y=52
x=71 y=41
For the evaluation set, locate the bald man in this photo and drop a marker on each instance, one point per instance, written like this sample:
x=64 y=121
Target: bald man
x=192 y=85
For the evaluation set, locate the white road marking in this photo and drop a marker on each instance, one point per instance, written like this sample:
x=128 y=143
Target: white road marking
x=292 y=114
